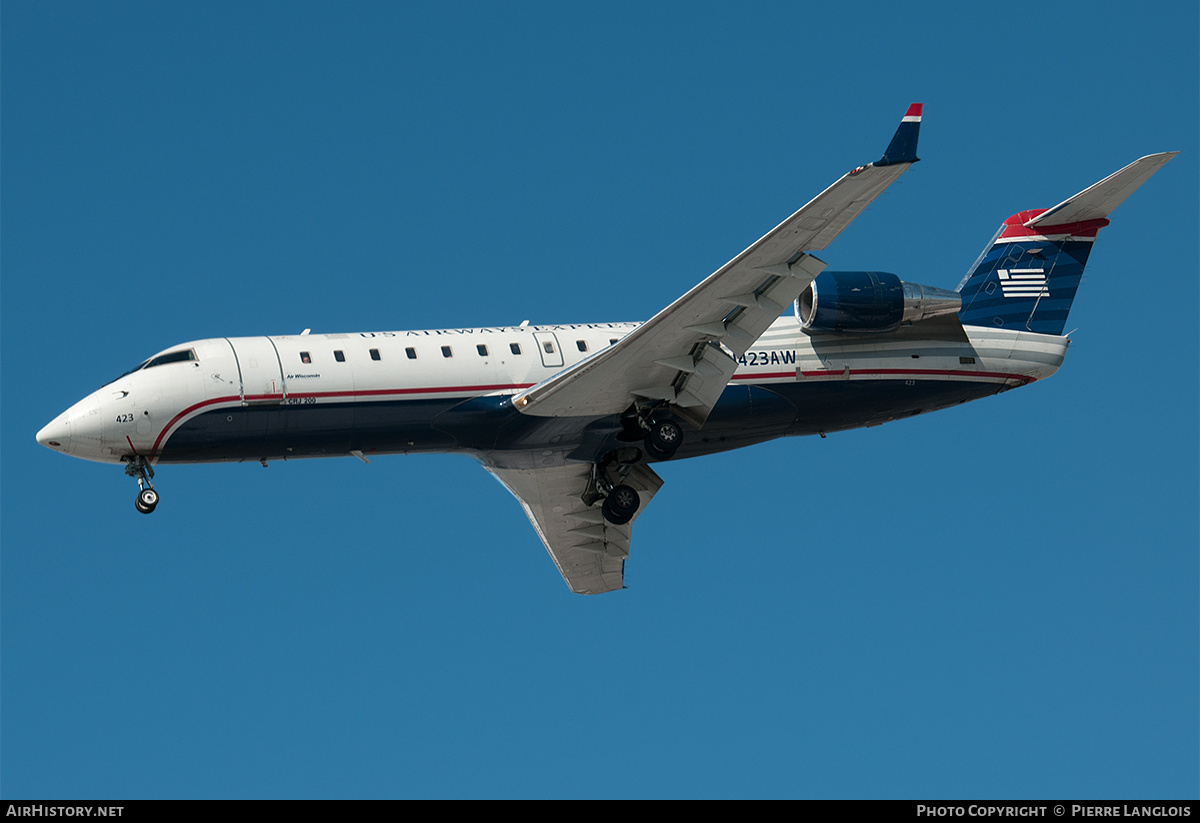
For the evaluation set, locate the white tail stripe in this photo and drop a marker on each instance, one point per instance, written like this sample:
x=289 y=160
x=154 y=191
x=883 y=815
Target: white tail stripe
x=1023 y=282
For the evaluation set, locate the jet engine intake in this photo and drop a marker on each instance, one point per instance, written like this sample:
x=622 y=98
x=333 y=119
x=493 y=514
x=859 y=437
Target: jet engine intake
x=868 y=302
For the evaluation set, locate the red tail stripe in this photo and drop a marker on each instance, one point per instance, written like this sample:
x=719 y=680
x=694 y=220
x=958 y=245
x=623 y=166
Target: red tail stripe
x=1015 y=226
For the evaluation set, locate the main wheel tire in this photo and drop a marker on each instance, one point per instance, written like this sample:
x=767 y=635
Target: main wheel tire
x=664 y=439
x=621 y=505
x=147 y=499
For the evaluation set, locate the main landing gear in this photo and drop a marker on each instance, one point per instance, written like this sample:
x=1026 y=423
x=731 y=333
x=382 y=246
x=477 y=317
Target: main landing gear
x=661 y=436
x=613 y=476
x=621 y=505
x=621 y=501
x=664 y=438
x=147 y=498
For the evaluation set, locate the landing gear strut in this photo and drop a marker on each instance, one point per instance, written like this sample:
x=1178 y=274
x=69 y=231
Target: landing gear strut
x=147 y=498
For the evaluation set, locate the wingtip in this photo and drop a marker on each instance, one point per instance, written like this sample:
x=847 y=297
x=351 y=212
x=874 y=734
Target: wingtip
x=903 y=148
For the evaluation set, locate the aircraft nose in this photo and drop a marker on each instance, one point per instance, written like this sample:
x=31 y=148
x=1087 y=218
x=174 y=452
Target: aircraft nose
x=56 y=434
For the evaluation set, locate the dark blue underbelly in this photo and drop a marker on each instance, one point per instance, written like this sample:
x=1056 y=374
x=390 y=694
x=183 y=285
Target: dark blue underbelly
x=484 y=425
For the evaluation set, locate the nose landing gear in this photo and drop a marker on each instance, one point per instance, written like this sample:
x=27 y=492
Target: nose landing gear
x=147 y=498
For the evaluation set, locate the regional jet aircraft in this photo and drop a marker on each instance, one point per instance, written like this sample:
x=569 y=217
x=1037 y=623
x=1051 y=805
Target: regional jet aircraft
x=571 y=418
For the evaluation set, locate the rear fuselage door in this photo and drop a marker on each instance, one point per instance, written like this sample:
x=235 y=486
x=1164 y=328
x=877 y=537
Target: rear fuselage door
x=547 y=345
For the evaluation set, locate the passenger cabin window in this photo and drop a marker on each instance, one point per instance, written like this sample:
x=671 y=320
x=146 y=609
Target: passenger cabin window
x=581 y=345
x=374 y=354
x=548 y=346
x=305 y=357
x=482 y=349
x=515 y=348
x=447 y=351
x=339 y=356
x=411 y=352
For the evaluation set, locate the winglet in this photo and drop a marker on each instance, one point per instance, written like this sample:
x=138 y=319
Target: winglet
x=903 y=148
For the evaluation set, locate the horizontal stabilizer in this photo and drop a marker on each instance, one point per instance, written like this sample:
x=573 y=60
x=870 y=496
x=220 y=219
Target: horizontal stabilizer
x=1098 y=201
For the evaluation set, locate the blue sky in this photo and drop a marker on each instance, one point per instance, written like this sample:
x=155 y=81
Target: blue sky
x=994 y=601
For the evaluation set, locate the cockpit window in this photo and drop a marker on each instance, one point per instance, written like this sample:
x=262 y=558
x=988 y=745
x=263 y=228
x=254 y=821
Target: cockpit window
x=171 y=357
x=138 y=367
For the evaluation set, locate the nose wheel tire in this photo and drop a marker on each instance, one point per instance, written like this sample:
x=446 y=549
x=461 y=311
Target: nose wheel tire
x=139 y=468
x=146 y=500
x=621 y=505
x=664 y=439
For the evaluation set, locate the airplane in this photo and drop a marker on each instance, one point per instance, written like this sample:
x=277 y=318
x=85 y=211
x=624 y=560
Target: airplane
x=571 y=418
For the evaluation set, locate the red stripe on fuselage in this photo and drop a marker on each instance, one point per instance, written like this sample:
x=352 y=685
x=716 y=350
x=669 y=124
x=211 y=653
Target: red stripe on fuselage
x=185 y=413
x=429 y=390
x=838 y=373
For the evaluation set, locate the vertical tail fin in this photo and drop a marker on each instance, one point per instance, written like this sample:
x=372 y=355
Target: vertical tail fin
x=1025 y=280
x=1027 y=277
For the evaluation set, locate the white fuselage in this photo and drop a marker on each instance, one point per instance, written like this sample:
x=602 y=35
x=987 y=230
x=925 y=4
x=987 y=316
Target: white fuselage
x=140 y=412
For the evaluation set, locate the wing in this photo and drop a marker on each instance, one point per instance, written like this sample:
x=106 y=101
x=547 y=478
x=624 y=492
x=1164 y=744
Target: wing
x=685 y=354
x=589 y=551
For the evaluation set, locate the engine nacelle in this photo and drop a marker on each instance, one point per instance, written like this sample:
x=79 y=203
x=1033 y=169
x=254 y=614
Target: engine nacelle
x=868 y=302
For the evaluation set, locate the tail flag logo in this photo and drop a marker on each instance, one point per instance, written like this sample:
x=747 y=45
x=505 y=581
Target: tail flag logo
x=1023 y=282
